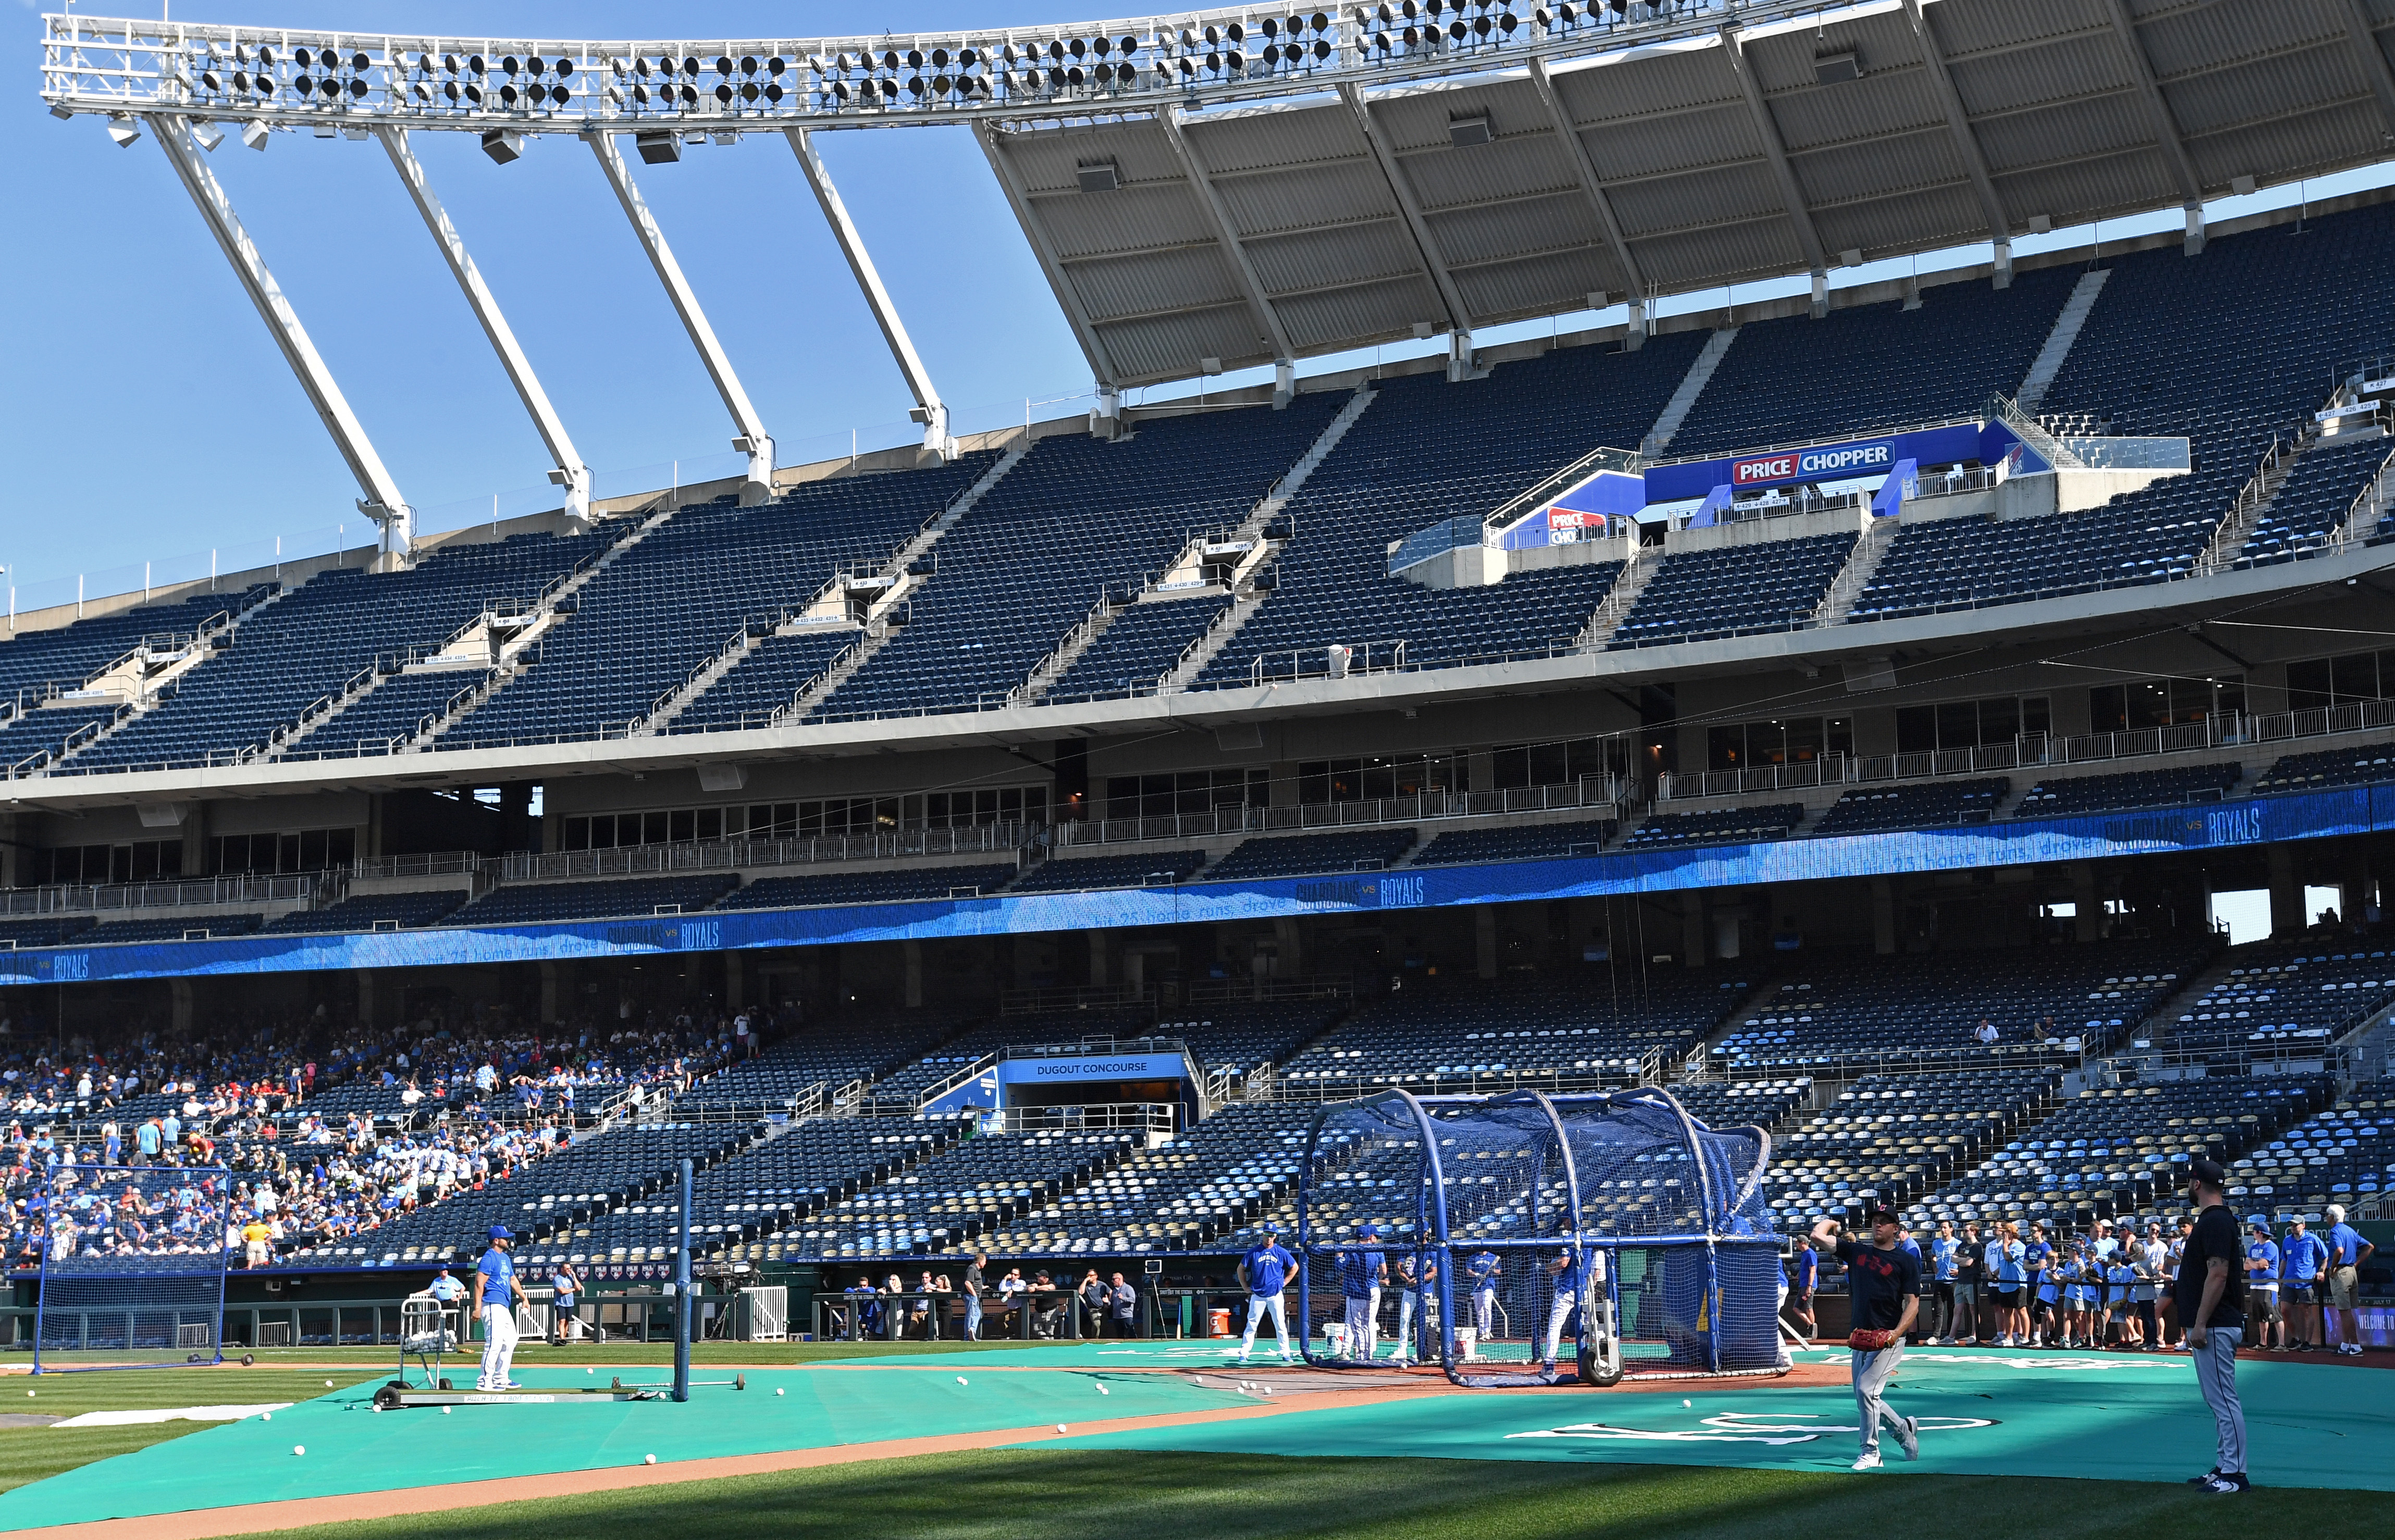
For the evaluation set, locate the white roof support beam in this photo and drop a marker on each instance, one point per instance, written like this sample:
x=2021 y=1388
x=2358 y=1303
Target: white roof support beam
x=382 y=502
x=756 y=485
x=1775 y=154
x=1577 y=148
x=1459 y=317
x=2372 y=59
x=571 y=473
x=1069 y=299
x=2166 y=140
x=1966 y=142
x=1251 y=283
x=929 y=408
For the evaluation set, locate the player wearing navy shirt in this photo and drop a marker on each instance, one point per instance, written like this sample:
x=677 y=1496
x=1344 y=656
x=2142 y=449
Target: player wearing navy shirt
x=1416 y=1283
x=2211 y=1289
x=1361 y=1273
x=497 y=1294
x=1884 y=1282
x=1265 y=1271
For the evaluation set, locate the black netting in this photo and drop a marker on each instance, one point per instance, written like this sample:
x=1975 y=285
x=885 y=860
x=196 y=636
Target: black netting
x=132 y=1266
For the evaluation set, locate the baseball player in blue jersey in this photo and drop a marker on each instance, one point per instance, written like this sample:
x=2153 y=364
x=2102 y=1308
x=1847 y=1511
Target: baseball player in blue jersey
x=1565 y=1268
x=497 y=1294
x=1361 y=1274
x=1265 y=1271
x=1482 y=1270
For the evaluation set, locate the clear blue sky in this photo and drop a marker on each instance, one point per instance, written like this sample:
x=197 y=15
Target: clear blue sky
x=148 y=416
x=148 y=413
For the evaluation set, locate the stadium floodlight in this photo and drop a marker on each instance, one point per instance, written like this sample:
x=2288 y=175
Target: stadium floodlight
x=254 y=133
x=122 y=129
x=207 y=135
x=503 y=145
x=61 y=110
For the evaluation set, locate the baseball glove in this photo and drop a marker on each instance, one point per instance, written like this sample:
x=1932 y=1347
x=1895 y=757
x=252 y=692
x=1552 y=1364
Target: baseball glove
x=1869 y=1341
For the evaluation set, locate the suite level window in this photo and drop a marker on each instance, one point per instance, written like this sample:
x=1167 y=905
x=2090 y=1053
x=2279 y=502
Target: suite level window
x=1970 y=724
x=2161 y=703
x=1373 y=780
x=981 y=805
x=309 y=850
x=2338 y=681
x=1515 y=765
x=1795 y=741
x=141 y=860
x=1186 y=793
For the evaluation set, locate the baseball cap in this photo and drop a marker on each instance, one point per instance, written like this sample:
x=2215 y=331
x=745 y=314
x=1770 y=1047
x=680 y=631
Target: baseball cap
x=1878 y=1214
x=501 y=1232
x=2208 y=1172
x=2258 y=1222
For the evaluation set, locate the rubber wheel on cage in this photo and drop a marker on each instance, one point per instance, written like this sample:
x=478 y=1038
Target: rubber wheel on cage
x=1592 y=1371
x=246 y=1360
x=387 y=1398
x=444 y=1383
x=740 y=1382
x=196 y=1358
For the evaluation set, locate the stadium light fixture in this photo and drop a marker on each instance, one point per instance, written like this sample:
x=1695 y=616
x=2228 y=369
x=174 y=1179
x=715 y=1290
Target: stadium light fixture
x=503 y=145
x=61 y=110
x=122 y=129
x=254 y=133
x=660 y=148
x=207 y=135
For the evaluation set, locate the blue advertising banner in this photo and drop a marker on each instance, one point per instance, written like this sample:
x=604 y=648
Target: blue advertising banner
x=2222 y=826
x=1068 y=1068
x=1847 y=460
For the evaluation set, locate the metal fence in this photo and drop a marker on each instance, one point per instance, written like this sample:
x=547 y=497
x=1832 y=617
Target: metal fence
x=2034 y=750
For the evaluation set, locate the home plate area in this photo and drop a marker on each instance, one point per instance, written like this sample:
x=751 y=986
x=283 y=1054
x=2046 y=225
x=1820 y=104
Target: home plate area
x=2098 y=1415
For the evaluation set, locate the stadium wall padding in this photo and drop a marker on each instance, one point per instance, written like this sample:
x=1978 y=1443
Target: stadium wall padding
x=2258 y=821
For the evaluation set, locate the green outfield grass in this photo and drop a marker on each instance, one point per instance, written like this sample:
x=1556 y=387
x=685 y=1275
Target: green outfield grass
x=1061 y=1496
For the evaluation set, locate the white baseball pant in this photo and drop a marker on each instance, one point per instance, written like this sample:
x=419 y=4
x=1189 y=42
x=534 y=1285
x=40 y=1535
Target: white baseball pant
x=499 y=1346
x=1259 y=1306
x=1364 y=1325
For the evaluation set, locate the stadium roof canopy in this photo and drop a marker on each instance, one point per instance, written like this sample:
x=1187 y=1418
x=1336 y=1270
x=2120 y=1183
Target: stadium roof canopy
x=1225 y=189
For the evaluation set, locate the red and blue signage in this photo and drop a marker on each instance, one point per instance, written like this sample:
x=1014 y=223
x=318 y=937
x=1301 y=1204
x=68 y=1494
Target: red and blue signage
x=1851 y=459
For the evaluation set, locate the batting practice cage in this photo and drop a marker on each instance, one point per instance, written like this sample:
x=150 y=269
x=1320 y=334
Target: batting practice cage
x=133 y=1266
x=1525 y=1239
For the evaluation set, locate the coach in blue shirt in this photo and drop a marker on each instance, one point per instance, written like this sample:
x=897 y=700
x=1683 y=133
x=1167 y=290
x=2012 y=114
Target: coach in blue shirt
x=1361 y=1274
x=2302 y=1255
x=2261 y=1280
x=2347 y=1252
x=1265 y=1271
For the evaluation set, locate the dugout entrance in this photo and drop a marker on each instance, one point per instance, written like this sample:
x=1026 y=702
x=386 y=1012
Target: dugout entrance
x=1529 y=1239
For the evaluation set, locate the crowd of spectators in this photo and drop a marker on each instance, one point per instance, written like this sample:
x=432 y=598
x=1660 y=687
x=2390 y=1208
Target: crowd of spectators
x=461 y=1096
x=2108 y=1285
x=1044 y=1307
